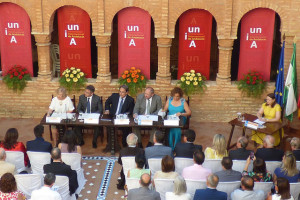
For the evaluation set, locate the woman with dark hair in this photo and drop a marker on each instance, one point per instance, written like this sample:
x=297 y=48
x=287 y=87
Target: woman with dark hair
x=137 y=172
x=282 y=188
x=167 y=169
x=11 y=143
x=8 y=188
x=68 y=144
x=177 y=105
x=269 y=112
x=259 y=173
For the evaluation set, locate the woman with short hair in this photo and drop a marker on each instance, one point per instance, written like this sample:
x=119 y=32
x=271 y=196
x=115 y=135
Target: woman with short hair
x=218 y=149
x=179 y=190
x=8 y=188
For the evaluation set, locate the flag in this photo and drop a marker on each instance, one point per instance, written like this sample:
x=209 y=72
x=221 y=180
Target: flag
x=280 y=78
x=290 y=89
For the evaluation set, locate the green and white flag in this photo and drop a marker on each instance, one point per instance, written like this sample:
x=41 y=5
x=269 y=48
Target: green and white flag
x=290 y=89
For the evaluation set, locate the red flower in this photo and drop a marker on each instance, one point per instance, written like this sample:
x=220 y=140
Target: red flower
x=16 y=73
x=22 y=73
x=11 y=76
x=13 y=69
x=257 y=74
x=260 y=77
x=26 y=72
x=248 y=77
x=253 y=83
x=20 y=77
x=254 y=78
x=248 y=82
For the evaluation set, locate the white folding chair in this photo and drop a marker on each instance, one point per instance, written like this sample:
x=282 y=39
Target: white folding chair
x=128 y=163
x=62 y=185
x=193 y=185
x=164 y=185
x=38 y=160
x=213 y=164
x=298 y=165
x=154 y=165
x=16 y=158
x=239 y=165
x=272 y=165
x=181 y=163
x=132 y=183
x=26 y=183
x=264 y=186
x=74 y=160
x=295 y=190
x=228 y=187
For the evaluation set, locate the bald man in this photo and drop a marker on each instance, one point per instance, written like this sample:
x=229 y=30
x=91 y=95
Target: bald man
x=5 y=167
x=268 y=152
x=241 y=153
x=247 y=193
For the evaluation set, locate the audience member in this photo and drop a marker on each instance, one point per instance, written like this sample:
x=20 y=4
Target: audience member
x=8 y=188
x=167 y=169
x=247 y=192
x=45 y=192
x=179 y=190
x=241 y=153
x=5 y=167
x=295 y=146
x=39 y=144
x=218 y=150
x=130 y=150
x=143 y=193
x=268 y=152
x=57 y=167
x=69 y=143
x=282 y=188
x=187 y=148
x=10 y=143
x=210 y=193
x=196 y=171
x=259 y=173
x=227 y=174
x=137 y=172
x=288 y=169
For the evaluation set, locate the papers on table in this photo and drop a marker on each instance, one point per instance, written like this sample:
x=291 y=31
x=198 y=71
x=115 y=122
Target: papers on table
x=251 y=125
x=63 y=115
x=148 y=117
x=259 y=122
x=88 y=116
x=172 y=120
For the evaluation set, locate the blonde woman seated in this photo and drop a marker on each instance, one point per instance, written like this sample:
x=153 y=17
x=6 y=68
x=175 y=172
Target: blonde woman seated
x=179 y=190
x=69 y=144
x=140 y=161
x=218 y=150
x=168 y=169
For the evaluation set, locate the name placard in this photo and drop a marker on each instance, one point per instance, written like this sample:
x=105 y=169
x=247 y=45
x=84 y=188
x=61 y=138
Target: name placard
x=146 y=122
x=53 y=119
x=121 y=121
x=91 y=121
x=251 y=125
x=170 y=122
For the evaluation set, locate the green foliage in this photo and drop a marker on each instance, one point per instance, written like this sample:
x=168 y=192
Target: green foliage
x=16 y=78
x=192 y=83
x=73 y=79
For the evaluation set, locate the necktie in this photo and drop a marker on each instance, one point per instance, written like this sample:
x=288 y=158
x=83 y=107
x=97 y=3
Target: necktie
x=88 y=106
x=121 y=104
x=148 y=107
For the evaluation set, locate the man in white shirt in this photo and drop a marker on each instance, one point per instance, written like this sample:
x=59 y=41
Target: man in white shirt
x=247 y=192
x=46 y=193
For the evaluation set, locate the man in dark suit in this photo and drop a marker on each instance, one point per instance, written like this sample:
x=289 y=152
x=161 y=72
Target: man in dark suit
x=186 y=149
x=146 y=104
x=210 y=193
x=39 y=144
x=120 y=103
x=241 y=153
x=295 y=146
x=57 y=167
x=89 y=103
x=131 y=150
x=268 y=152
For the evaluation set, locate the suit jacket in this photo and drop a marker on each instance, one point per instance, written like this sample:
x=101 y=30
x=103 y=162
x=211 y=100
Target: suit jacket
x=297 y=154
x=229 y=175
x=143 y=193
x=209 y=194
x=270 y=154
x=39 y=145
x=239 y=154
x=140 y=106
x=157 y=151
x=60 y=168
x=129 y=151
x=112 y=103
x=96 y=104
x=186 y=150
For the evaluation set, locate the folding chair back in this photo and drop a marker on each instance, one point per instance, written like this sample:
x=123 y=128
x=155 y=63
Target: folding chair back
x=228 y=187
x=264 y=186
x=164 y=185
x=16 y=158
x=295 y=190
x=181 y=163
x=128 y=163
x=62 y=184
x=132 y=183
x=213 y=164
x=272 y=165
x=38 y=160
x=239 y=165
x=193 y=185
x=154 y=165
x=26 y=183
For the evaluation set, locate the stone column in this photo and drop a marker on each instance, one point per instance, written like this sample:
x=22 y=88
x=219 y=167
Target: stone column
x=44 y=59
x=225 y=52
x=103 y=44
x=163 y=76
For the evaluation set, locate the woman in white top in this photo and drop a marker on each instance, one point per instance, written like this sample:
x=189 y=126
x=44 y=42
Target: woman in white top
x=60 y=104
x=179 y=190
x=282 y=187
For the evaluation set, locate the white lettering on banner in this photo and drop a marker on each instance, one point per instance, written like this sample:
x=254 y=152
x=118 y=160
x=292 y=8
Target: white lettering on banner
x=194 y=29
x=73 y=42
x=124 y=34
x=192 y=44
x=66 y=34
x=13 y=25
x=253 y=45
x=132 y=42
x=5 y=31
x=13 y=39
x=73 y=27
x=255 y=30
x=133 y=28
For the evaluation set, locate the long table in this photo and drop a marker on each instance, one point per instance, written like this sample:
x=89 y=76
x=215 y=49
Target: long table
x=107 y=121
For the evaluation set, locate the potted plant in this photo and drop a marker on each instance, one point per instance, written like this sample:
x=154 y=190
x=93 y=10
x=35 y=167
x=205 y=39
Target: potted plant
x=16 y=78
x=73 y=79
x=192 y=83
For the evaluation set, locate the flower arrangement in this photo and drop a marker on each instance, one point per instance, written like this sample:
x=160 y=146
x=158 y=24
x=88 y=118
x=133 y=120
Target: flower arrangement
x=252 y=84
x=72 y=79
x=16 y=78
x=192 y=82
x=134 y=79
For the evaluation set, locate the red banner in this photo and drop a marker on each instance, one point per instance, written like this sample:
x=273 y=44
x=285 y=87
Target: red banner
x=257 y=28
x=194 y=42
x=15 y=37
x=74 y=39
x=134 y=32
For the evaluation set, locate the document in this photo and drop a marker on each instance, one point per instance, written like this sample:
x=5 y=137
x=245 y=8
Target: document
x=259 y=122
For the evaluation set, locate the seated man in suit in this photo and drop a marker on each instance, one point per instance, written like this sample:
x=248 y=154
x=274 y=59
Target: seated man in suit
x=39 y=144
x=210 y=193
x=143 y=193
x=268 y=152
x=5 y=167
x=131 y=150
x=247 y=193
x=241 y=153
x=146 y=104
x=57 y=167
x=227 y=174
x=186 y=149
x=89 y=103
x=120 y=103
x=295 y=146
